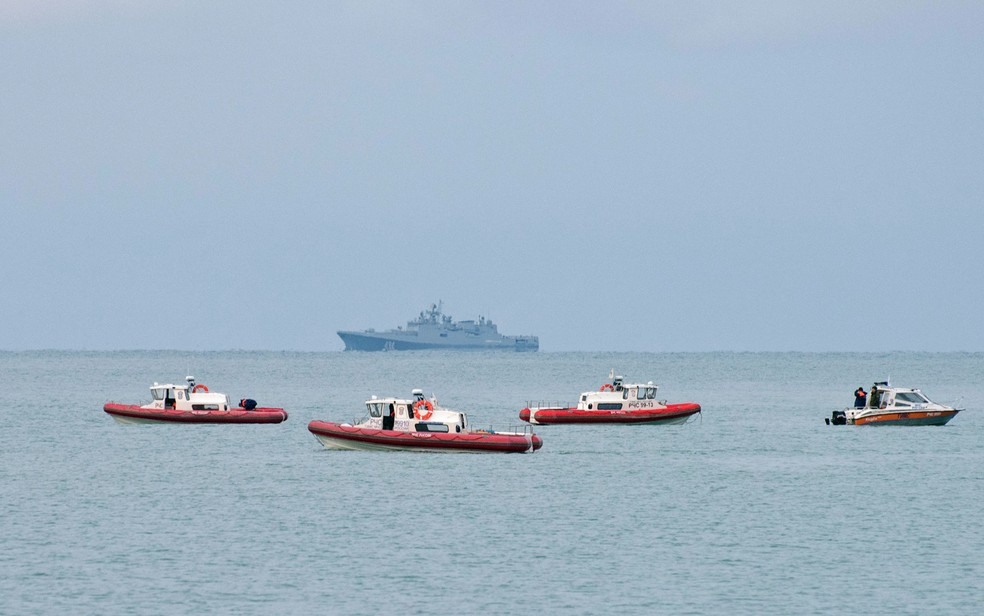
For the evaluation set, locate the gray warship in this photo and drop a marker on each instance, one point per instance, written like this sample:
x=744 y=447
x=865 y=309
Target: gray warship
x=432 y=329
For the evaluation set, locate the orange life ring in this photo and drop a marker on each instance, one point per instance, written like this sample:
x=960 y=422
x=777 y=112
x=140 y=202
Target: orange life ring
x=607 y=387
x=199 y=387
x=423 y=404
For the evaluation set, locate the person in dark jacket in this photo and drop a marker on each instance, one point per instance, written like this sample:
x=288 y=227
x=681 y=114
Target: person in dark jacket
x=860 y=397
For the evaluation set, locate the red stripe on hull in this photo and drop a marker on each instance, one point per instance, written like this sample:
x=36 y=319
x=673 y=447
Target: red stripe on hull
x=234 y=415
x=913 y=418
x=468 y=441
x=576 y=416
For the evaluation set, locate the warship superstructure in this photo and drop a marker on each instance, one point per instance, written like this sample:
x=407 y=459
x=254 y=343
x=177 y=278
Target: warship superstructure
x=432 y=329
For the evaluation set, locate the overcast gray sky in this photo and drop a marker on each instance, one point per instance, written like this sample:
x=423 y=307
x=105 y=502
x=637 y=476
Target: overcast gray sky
x=613 y=176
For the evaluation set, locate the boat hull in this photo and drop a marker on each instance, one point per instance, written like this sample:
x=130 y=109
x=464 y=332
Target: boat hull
x=396 y=341
x=343 y=436
x=907 y=418
x=133 y=414
x=671 y=414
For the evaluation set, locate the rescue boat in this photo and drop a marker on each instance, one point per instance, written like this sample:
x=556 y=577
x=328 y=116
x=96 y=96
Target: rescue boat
x=894 y=406
x=419 y=424
x=614 y=402
x=192 y=403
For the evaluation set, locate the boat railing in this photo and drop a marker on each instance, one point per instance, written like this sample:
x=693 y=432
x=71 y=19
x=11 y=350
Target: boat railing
x=546 y=404
x=524 y=429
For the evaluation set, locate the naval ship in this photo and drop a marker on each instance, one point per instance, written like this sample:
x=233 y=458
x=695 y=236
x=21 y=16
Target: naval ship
x=432 y=329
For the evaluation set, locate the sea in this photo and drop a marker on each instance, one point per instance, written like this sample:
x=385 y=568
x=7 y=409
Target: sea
x=754 y=507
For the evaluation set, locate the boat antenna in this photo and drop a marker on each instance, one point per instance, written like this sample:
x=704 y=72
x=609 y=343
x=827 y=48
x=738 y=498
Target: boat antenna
x=611 y=373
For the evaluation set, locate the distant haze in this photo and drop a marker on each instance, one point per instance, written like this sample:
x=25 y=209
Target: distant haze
x=619 y=176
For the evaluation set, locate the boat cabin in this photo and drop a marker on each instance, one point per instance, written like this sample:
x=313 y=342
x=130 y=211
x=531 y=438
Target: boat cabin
x=617 y=396
x=186 y=398
x=415 y=415
x=883 y=396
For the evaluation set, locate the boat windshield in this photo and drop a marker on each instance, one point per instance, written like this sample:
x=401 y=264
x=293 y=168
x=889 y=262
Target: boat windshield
x=157 y=392
x=910 y=396
x=646 y=393
x=375 y=409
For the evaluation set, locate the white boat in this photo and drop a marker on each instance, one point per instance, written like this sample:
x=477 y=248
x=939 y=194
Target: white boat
x=418 y=424
x=894 y=406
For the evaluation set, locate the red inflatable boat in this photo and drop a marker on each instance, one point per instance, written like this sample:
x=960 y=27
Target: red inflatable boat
x=419 y=425
x=615 y=402
x=192 y=403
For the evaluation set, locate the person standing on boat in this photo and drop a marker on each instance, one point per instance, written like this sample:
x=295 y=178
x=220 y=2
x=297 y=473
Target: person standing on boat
x=860 y=397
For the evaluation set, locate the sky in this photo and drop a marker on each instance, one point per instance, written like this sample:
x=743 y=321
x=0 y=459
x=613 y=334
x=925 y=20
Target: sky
x=770 y=175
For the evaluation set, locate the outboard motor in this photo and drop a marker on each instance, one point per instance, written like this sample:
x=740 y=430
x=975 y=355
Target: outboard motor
x=248 y=403
x=837 y=418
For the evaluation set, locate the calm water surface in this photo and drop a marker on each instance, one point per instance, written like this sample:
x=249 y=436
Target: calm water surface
x=755 y=508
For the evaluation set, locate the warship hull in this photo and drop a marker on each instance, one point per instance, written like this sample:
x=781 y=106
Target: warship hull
x=364 y=341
